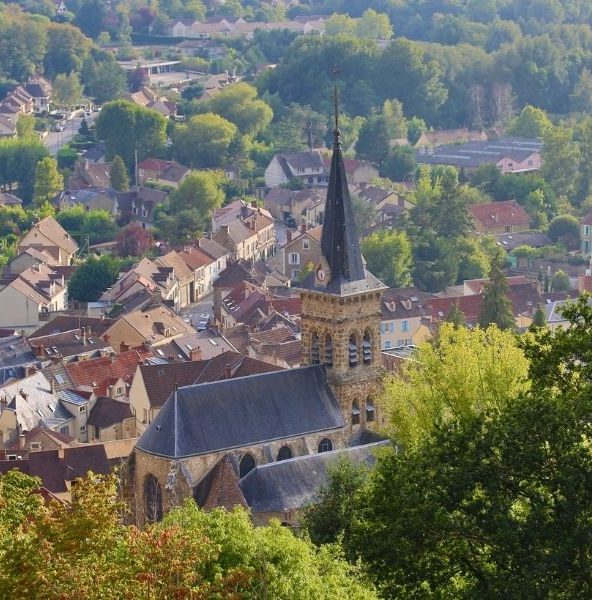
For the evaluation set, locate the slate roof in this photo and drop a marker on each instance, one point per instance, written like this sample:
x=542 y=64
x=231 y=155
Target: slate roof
x=215 y=417
x=210 y=342
x=212 y=248
x=14 y=351
x=294 y=483
x=220 y=487
x=63 y=323
x=108 y=412
x=404 y=303
x=510 y=241
x=500 y=214
x=291 y=162
x=69 y=344
x=236 y=273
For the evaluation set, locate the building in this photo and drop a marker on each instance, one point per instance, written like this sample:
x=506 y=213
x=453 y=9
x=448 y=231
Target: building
x=509 y=155
x=499 y=217
x=167 y=172
x=306 y=167
x=431 y=139
x=298 y=253
x=90 y=175
x=137 y=205
x=586 y=234
x=327 y=404
x=49 y=236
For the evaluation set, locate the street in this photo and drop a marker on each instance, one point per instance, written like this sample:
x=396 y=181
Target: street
x=203 y=306
x=57 y=139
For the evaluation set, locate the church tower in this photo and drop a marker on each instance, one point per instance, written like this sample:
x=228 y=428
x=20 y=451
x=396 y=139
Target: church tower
x=340 y=318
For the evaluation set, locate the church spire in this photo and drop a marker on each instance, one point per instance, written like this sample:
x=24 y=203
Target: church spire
x=339 y=241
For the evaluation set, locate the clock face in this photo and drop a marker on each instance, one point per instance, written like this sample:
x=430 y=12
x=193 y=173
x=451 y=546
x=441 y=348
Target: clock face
x=321 y=274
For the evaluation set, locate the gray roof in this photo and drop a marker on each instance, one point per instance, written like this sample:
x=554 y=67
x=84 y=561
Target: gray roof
x=534 y=239
x=234 y=413
x=294 y=483
x=15 y=351
x=474 y=154
x=212 y=248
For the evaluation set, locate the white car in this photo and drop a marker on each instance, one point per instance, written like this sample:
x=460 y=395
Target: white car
x=204 y=322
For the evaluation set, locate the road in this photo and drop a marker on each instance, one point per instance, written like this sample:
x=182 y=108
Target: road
x=57 y=139
x=201 y=307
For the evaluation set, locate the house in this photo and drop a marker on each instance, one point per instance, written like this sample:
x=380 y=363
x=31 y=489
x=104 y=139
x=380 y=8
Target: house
x=137 y=205
x=110 y=419
x=90 y=175
x=27 y=259
x=205 y=48
x=167 y=172
x=509 y=155
x=17 y=359
x=499 y=217
x=49 y=236
x=298 y=253
x=90 y=198
x=248 y=238
x=7 y=126
x=153 y=384
x=200 y=264
x=59 y=468
x=28 y=298
x=7 y=199
x=404 y=317
x=62 y=323
x=186 y=276
x=153 y=327
x=38 y=439
x=96 y=153
x=18 y=102
x=76 y=344
x=306 y=167
x=327 y=404
x=279 y=346
x=238 y=209
x=219 y=254
x=358 y=171
x=295 y=207
x=586 y=234
x=40 y=91
x=146 y=275
x=431 y=139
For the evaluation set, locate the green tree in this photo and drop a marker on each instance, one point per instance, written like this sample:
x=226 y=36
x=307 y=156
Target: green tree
x=92 y=278
x=388 y=256
x=530 y=123
x=67 y=49
x=25 y=127
x=565 y=229
x=98 y=226
x=199 y=191
x=72 y=219
x=106 y=81
x=203 y=141
x=456 y=316
x=48 y=180
x=374 y=26
x=539 y=319
x=560 y=155
x=66 y=89
x=560 y=281
x=240 y=105
x=581 y=99
x=339 y=24
x=466 y=372
x=126 y=127
x=118 y=174
x=496 y=308
x=399 y=164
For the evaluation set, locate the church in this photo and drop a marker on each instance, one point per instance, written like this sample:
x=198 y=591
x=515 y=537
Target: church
x=207 y=438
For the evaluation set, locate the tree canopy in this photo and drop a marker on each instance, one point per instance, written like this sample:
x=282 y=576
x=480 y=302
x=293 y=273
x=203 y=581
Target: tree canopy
x=92 y=278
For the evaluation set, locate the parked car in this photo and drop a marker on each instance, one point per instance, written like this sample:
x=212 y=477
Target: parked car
x=59 y=128
x=204 y=322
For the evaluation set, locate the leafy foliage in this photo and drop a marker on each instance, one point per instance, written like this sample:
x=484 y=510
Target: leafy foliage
x=92 y=278
x=388 y=256
x=497 y=307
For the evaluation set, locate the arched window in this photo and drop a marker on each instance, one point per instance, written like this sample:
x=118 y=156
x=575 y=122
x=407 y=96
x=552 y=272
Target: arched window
x=246 y=465
x=353 y=350
x=355 y=414
x=315 y=350
x=328 y=350
x=370 y=411
x=284 y=453
x=152 y=499
x=367 y=348
x=325 y=445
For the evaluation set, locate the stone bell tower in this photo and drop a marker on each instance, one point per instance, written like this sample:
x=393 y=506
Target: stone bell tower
x=340 y=318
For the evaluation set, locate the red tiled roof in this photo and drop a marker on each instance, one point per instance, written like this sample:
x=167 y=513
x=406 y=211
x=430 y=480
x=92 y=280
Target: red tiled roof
x=100 y=371
x=500 y=214
x=477 y=285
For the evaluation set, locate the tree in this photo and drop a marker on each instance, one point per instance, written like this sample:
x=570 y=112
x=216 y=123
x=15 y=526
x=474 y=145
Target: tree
x=72 y=219
x=496 y=308
x=106 y=81
x=531 y=123
x=134 y=240
x=203 y=141
x=25 y=127
x=48 y=180
x=239 y=104
x=374 y=26
x=466 y=372
x=126 y=128
x=66 y=89
x=339 y=24
x=118 y=174
x=560 y=281
x=539 y=319
x=581 y=99
x=92 y=278
x=560 y=156
x=98 y=226
x=388 y=256
x=456 y=316
x=565 y=229
x=199 y=191
x=330 y=517
x=399 y=163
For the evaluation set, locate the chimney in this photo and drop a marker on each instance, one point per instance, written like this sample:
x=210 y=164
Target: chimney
x=288 y=235
x=39 y=351
x=124 y=347
x=303 y=227
x=195 y=354
x=83 y=333
x=52 y=385
x=227 y=371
